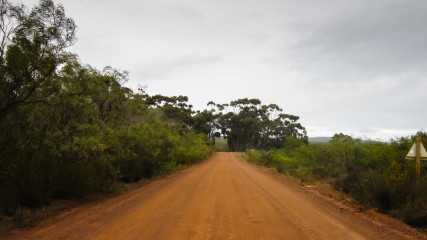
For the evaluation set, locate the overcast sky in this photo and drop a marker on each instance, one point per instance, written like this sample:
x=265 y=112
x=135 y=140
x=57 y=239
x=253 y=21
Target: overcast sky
x=353 y=66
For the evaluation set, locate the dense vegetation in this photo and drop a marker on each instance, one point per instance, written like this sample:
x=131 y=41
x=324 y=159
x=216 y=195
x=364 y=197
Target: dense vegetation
x=67 y=129
x=246 y=124
x=374 y=173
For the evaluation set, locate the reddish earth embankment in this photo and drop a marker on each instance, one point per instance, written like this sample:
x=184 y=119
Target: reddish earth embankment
x=224 y=197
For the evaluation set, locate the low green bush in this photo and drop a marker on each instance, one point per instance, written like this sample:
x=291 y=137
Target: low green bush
x=376 y=174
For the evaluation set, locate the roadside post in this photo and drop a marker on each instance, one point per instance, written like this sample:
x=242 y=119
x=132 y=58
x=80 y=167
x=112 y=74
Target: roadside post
x=417 y=152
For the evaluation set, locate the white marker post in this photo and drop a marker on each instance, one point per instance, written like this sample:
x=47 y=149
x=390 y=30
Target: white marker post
x=417 y=152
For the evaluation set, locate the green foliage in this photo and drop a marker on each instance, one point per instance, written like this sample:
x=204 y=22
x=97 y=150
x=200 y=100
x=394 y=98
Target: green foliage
x=221 y=145
x=258 y=157
x=34 y=48
x=68 y=130
x=173 y=107
x=147 y=149
x=374 y=173
x=246 y=124
x=205 y=122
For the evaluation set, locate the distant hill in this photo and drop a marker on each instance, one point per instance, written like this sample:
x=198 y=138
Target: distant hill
x=319 y=139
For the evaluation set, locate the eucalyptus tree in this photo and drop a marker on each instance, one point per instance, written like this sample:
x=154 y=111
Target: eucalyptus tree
x=246 y=123
x=175 y=107
x=32 y=46
x=68 y=129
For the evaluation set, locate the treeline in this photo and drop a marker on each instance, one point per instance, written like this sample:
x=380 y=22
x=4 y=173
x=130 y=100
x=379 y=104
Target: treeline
x=68 y=130
x=247 y=124
x=374 y=173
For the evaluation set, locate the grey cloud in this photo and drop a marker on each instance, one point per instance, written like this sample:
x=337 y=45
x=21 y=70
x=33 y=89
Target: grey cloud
x=341 y=65
x=375 y=39
x=173 y=67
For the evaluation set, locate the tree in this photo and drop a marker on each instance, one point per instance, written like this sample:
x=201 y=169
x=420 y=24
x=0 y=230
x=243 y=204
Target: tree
x=68 y=129
x=31 y=51
x=344 y=149
x=175 y=107
x=246 y=123
x=9 y=14
x=205 y=122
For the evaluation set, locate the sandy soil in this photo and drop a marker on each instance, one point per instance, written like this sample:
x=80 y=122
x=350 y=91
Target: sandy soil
x=224 y=197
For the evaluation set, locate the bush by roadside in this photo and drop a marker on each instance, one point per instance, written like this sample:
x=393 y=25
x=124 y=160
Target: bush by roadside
x=374 y=173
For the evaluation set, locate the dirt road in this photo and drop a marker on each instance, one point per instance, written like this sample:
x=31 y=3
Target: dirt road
x=222 y=198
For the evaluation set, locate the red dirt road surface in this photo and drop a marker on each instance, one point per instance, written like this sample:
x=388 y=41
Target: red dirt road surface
x=224 y=197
